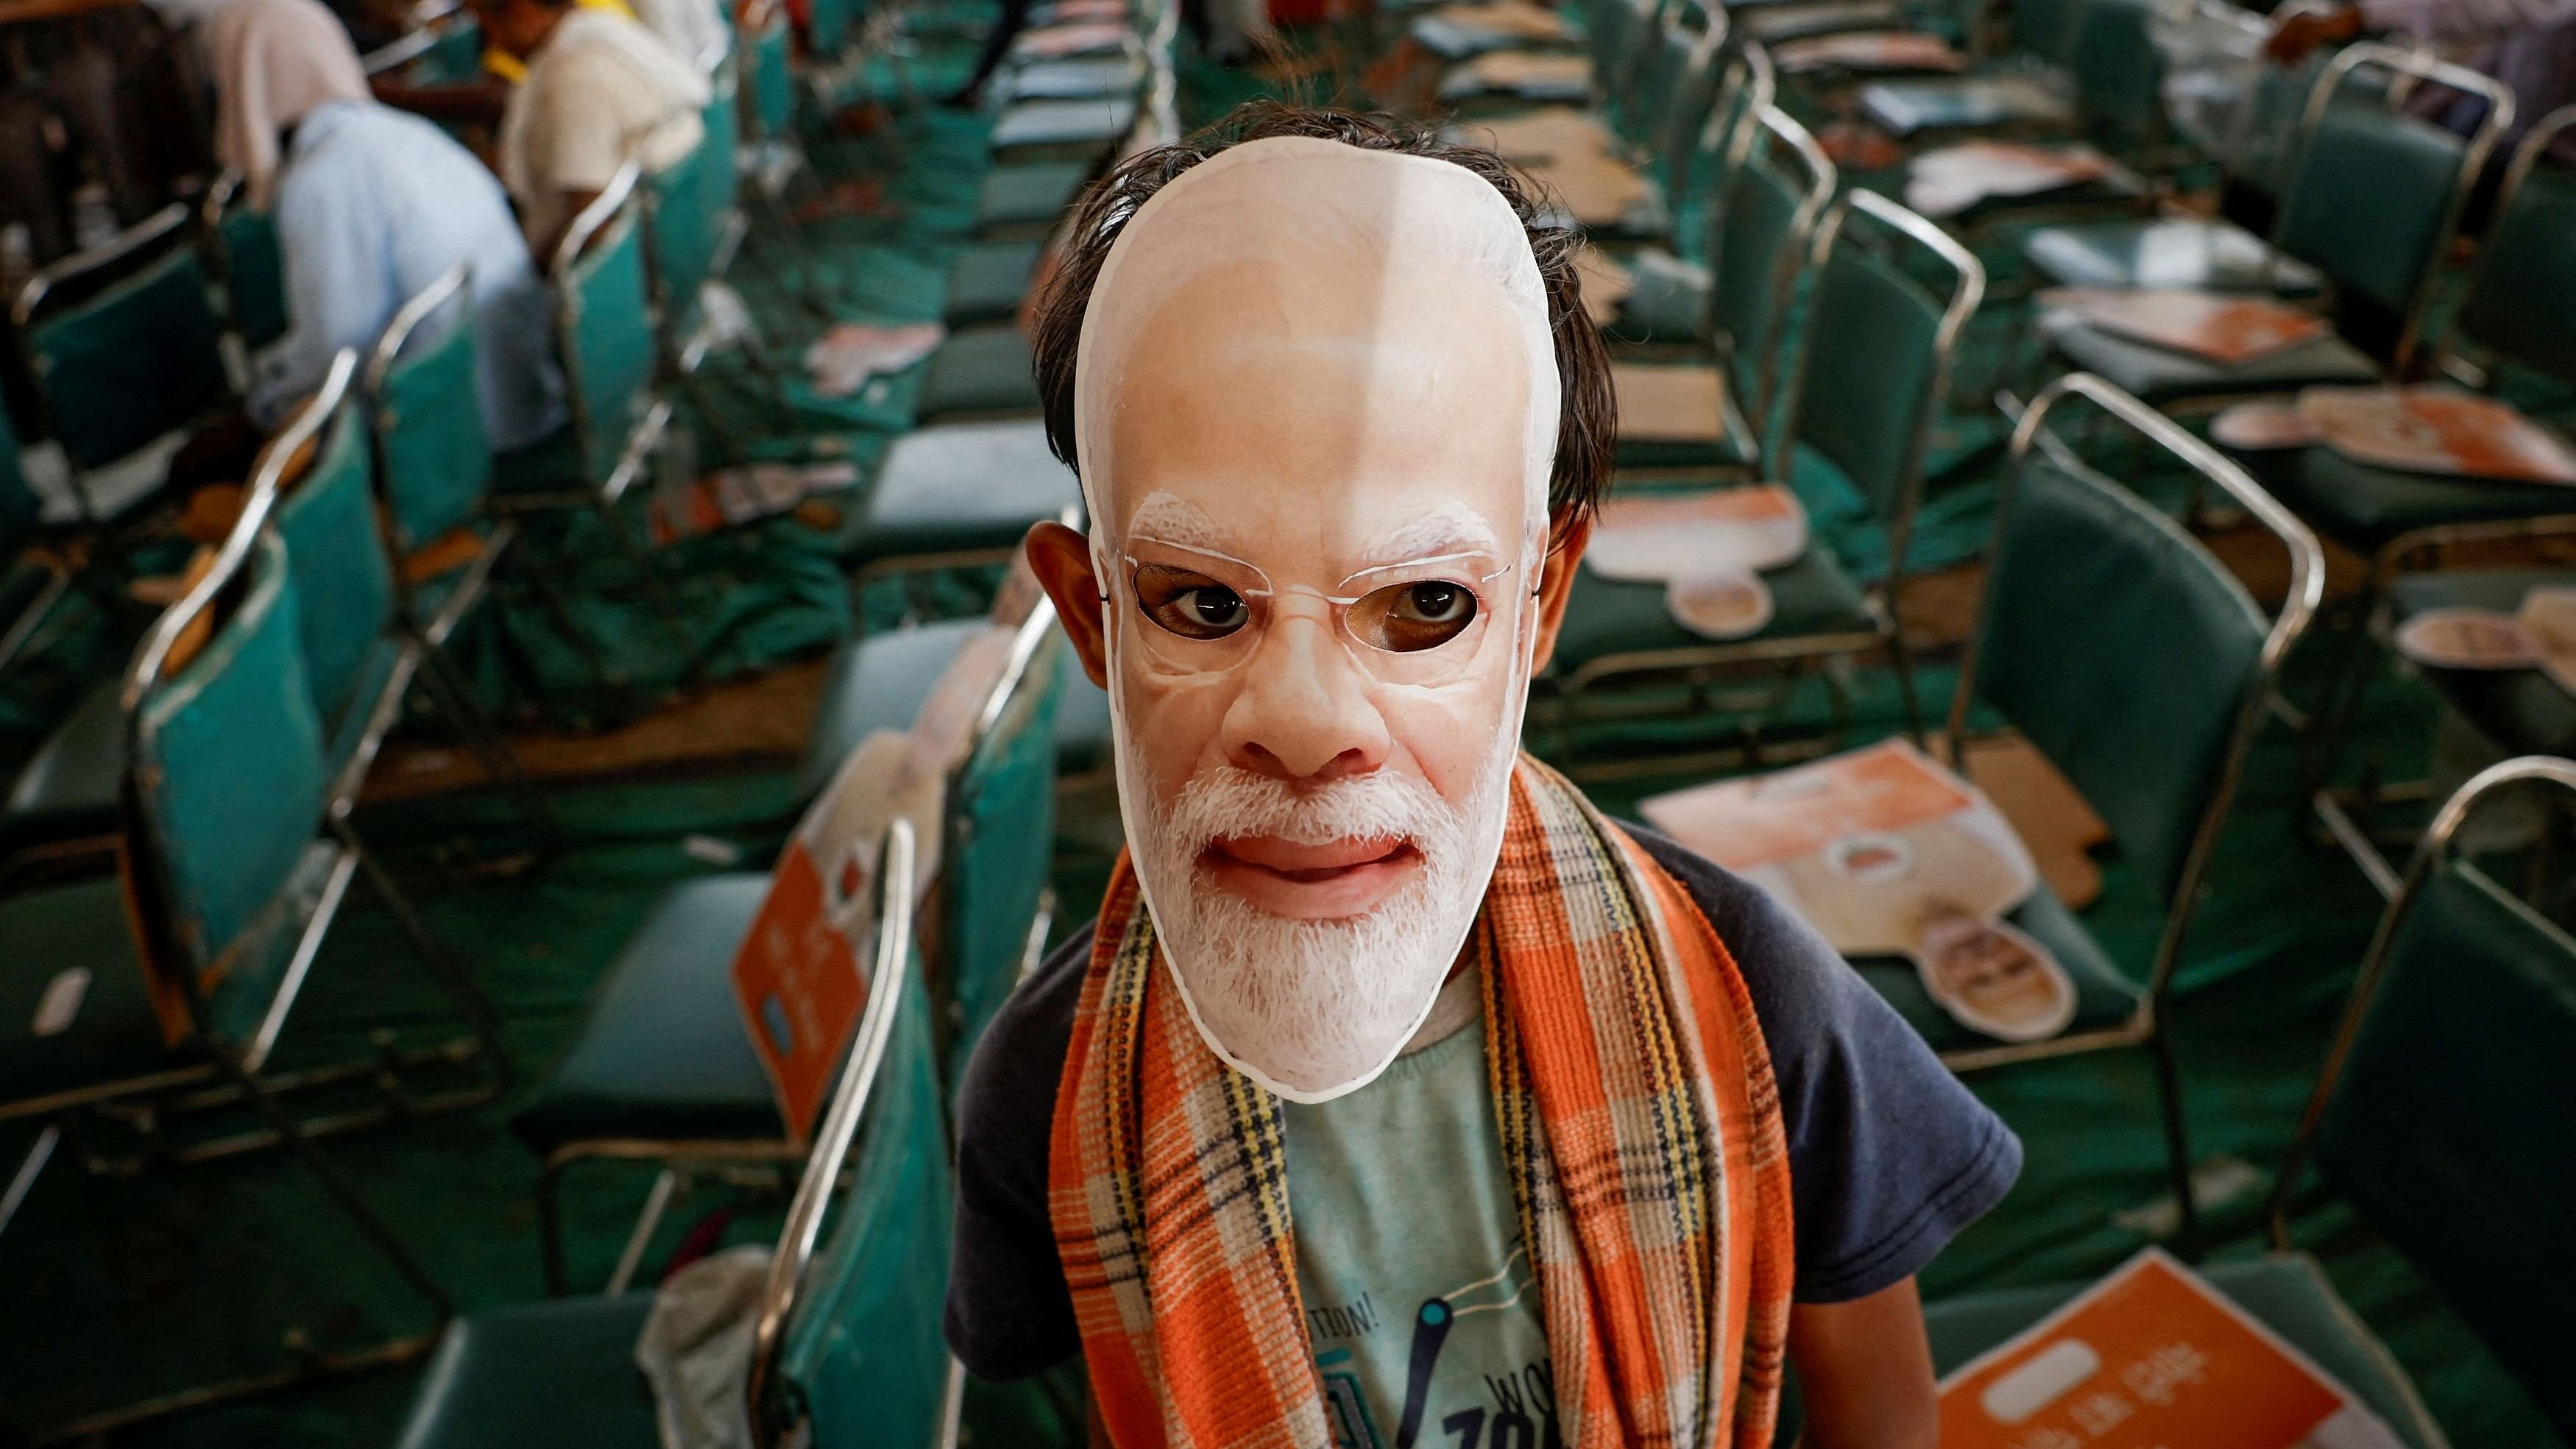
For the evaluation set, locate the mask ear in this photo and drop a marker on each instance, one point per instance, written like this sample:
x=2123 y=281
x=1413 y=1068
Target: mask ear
x=1555 y=584
x=1061 y=559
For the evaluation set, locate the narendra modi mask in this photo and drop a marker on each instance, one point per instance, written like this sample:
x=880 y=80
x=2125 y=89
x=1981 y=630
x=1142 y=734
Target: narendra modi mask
x=1315 y=404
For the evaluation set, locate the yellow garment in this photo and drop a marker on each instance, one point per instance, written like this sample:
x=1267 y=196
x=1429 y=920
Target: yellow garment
x=510 y=68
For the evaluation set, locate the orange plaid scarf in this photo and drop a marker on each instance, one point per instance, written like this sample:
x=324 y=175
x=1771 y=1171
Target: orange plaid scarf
x=1641 y=1130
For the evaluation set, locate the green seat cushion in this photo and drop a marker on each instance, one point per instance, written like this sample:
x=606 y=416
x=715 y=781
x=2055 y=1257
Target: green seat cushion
x=552 y=464
x=2288 y=1293
x=1669 y=304
x=979 y=370
x=988 y=281
x=2209 y=256
x=876 y=683
x=1811 y=596
x=662 y=1055
x=1032 y=194
x=1081 y=721
x=114 y=1035
x=2158 y=375
x=1075 y=78
x=959 y=487
x=1073 y=125
x=2103 y=997
x=68 y=789
x=2521 y=710
x=2364 y=508
x=536 y=1376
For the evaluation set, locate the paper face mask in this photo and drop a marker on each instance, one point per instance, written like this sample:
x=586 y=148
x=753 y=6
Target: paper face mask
x=1316 y=403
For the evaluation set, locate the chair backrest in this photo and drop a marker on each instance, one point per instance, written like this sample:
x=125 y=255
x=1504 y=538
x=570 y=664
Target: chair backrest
x=1001 y=834
x=1701 y=162
x=433 y=457
x=719 y=155
x=344 y=583
x=2441 y=1112
x=1875 y=359
x=1687 y=78
x=680 y=235
x=247 y=258
x=2119 y=71
x=2120 y=647
x=766 y=55
x=1773 y=202
x=2376 y=194
x=827 y=28
x=2523 y=304
x=847 y=1342
x=122 y=341
x=2044 y=29
x=20 y=509
x=1623 y=52
x=604 y=324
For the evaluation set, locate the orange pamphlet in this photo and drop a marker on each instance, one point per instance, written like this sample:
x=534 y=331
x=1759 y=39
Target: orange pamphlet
x=2151 y=1357
x=2223 y=329
x=1766 y=819
x=1650 y=538
x=1869 y=50
x=1513 y=70
x=1515 y=18
x=2437 y=430
x=1057 y=41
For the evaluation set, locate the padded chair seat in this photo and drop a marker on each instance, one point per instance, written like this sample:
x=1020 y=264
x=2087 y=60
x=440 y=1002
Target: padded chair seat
x=1732 y=447
x=2364 y=508
x=68 y=789
x=2288 y=1293
x=2158 y=375
x=2103 y=997
x=1942 y=104
x=2522 y=711
x=876 y=683
x=988 y=281
x=1075 y=78
x=1034 y=194
x=662 y=1054
x=2165 y=252
x=114 y=1035
x=979 y=370
x=1811 y=596
x=956 y=488
x=536 y=1376
x=1669 y=303
x=1092 y=124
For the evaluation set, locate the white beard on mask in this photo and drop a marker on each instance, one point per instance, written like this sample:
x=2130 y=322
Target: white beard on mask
x=1330 y=1002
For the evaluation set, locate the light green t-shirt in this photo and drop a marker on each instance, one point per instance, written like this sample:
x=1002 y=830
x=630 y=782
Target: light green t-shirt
x=1420 y=1302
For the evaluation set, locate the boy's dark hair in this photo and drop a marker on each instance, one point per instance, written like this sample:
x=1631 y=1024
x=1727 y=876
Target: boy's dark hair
x=1587 y=426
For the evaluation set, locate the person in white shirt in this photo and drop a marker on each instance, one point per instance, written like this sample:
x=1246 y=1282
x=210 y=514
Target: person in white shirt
x=601 y=89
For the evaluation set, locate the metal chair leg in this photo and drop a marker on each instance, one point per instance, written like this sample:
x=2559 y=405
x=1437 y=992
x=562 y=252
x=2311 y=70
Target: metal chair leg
x=2187 y=1240
x=550 y=1243
x=450 y=974
x=501 y=764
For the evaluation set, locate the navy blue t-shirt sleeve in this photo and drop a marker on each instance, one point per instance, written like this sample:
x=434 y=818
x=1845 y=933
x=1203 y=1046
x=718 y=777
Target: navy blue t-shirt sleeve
x=1889 y=1156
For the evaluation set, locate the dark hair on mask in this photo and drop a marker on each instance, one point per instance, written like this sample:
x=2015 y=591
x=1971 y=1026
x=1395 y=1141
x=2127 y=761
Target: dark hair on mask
x=1587 y=424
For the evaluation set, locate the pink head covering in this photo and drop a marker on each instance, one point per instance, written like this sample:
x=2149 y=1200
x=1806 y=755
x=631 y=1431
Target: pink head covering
x=275 y=61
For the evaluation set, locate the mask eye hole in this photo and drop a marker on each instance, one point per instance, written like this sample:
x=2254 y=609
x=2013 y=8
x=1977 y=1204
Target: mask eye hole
x=1190 y=604
x=1409 y=618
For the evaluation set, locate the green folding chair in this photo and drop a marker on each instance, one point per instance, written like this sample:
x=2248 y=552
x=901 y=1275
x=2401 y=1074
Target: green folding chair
x=29 y=587
x=122 y=345
x=2022 y=75
x=982 y=372
x=2128 y=656
x=1667 y=309
x=1062 y=130
x=956 y=495
x=846 y=1342
x=2374 y=207
x=692 y=224
x=1760 y=239
x=663 y=1071
x=241 y=245
x=1874 y=358
x=989 y=281
x=2433 y=1119
x=1029 y=196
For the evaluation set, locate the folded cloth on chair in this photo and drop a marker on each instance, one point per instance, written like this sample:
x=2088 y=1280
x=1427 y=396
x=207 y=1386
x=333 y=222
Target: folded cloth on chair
x=695 y=1349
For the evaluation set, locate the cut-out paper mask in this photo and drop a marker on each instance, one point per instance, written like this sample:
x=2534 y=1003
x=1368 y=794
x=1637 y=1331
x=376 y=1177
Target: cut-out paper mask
x=1316 y=402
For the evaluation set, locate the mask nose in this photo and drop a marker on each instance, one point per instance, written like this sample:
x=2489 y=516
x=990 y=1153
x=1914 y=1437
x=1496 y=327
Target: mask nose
x=1304 y=711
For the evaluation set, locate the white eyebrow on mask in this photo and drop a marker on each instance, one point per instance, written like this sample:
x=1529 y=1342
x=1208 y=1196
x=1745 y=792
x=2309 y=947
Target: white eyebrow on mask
x=1176 y=520
x=1450 y=528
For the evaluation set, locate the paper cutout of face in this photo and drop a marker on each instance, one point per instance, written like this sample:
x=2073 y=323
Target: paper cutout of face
x=1316 y=404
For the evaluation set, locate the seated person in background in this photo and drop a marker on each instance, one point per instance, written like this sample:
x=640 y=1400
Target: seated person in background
x=121 y=85
x=1396 y=1094
x=601 y=89
x=371 y=205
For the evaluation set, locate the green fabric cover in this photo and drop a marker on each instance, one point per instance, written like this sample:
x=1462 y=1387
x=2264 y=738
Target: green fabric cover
x=2524 y=304
x=864 y=1352
x=1075 y=78
x=20 y=508
x=130 y=364
x=428 y=418
x=344 y=584
x=2105 y=996
x=876 y=683
x=1751 y=262
x=1669 y=303
x=680 y=230
x=254 y=274
x=1087 y=125
x=537 y=1376
x=958 y=487
x=979 y=370
x=827 y=28
x=2121 y=648
x=67 y=789
x=773 y=79
x=1004 y=818
x=1870 y=366
x=2046 y=28
x=2447 y=1129
x=2373 y=201
x=2363 y=508
x=115 y=1035
x=456 y=57
x=2522 y=711
x=2208 y=256
x=608 y=346
x=662 y=1055
x=229 y=764
x=2119 y=73
x=2159 y=375
x=1032 y=193
x=1812 y=595
x=2288 y=1293
x=719 y=168
x=987 y=282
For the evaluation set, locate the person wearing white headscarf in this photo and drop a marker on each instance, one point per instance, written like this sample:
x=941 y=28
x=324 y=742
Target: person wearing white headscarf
x=371 y=206
x=600 y=90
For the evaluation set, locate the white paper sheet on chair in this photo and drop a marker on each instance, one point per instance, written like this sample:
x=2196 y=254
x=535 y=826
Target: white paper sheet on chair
x=2437 y=430
x=1657 y=540
x=1952 y=179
